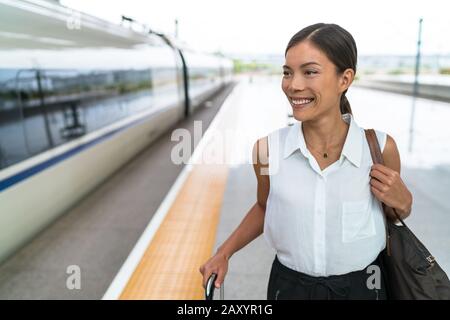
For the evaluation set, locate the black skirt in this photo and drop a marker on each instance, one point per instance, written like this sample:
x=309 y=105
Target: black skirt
x=287 y=284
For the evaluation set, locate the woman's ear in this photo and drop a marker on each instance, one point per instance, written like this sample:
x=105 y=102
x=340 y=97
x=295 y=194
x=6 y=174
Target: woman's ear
x=347 y=78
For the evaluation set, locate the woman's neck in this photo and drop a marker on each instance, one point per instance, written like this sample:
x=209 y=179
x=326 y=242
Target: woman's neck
x=326 y=132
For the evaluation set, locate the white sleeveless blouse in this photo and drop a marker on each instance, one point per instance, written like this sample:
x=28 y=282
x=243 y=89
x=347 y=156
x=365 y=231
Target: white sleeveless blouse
x=323 y=222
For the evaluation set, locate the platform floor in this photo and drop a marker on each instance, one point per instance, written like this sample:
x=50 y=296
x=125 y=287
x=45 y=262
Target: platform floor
x=91 y=236
x=99 y=232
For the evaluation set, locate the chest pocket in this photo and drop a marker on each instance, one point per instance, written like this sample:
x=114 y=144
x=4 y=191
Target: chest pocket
x=357 y=220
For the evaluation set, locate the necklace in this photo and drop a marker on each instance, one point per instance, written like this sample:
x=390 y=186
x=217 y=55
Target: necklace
x=324 y=154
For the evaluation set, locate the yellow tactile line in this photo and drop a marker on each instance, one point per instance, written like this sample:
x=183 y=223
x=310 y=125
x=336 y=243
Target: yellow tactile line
x=185 y=240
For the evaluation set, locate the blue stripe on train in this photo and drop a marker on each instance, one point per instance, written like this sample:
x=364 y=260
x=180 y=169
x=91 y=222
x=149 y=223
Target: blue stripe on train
x=18 y=177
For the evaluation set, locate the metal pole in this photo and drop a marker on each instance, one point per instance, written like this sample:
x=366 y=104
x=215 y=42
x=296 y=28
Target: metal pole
x=44 y=108
x=176 y=28
x=415 y=88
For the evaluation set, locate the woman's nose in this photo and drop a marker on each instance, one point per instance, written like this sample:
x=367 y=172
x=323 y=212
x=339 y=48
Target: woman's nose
x=297 y=83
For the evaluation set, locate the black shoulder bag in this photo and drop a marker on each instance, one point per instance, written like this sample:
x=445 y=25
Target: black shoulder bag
x=410 y=271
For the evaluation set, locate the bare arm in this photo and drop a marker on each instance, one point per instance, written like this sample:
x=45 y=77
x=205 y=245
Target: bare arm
x=251 y=226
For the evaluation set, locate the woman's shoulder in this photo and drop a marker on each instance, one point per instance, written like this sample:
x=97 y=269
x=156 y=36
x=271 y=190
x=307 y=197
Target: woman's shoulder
x=260 y=151
x=260 y=157
x=261 y=145
x=273 y=140
x=390 y=152
x=387 y=143
x=382 y=137
x=279 y=134
x=273 y=133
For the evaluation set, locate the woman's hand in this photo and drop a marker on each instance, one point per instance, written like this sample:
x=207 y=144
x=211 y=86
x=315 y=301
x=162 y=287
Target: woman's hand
x=388 y=187
x=218 y=264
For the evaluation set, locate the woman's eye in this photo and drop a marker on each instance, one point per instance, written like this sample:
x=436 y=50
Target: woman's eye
x=285 y=73
x=310 y=72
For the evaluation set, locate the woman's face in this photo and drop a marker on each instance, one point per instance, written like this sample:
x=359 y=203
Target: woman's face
x=311 y=83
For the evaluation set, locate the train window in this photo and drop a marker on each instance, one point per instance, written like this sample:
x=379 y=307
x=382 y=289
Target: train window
x=12 y=139
x=35 y=107
x=41 y=109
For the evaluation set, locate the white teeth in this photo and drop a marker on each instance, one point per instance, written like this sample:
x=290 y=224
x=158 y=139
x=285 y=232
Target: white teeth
x=302 y=101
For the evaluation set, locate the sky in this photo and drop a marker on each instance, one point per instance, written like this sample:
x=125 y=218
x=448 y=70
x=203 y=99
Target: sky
x=265 y=27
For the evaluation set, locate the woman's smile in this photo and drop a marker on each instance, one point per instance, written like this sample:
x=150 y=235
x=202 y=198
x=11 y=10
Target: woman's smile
x=301 y=103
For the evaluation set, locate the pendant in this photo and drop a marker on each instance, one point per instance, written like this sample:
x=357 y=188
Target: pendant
x=325 y=155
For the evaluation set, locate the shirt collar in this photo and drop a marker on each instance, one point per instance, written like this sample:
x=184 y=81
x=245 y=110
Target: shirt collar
x=352 y=149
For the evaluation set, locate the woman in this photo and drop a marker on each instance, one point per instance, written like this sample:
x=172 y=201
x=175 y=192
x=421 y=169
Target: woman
x=322 y=214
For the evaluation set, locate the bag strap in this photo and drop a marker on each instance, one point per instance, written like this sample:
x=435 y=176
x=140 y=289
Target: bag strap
x=377 y=157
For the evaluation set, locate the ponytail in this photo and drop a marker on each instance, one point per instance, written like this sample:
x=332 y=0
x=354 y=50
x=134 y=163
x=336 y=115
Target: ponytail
x=345 y=105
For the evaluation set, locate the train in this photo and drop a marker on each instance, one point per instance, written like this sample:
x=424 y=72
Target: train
x=79 y=98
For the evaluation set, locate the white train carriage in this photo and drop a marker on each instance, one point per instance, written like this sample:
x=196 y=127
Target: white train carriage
x=77 y=101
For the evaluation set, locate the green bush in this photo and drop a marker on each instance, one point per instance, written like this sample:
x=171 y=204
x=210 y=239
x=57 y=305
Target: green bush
x=444 y=71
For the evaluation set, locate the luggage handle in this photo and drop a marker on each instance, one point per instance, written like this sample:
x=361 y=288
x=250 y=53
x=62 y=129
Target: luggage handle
x=209 y=290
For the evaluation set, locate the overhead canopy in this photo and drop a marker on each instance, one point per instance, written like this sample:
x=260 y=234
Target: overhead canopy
x=41 y=24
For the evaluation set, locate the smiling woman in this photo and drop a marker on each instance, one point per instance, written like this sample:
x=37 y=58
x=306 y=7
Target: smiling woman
x=313 y=63
x=316 y=206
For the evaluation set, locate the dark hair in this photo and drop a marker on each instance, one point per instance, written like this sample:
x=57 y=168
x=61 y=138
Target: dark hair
x=337 y=44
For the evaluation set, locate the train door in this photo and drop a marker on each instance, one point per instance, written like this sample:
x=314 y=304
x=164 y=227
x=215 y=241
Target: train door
x=185 y=85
